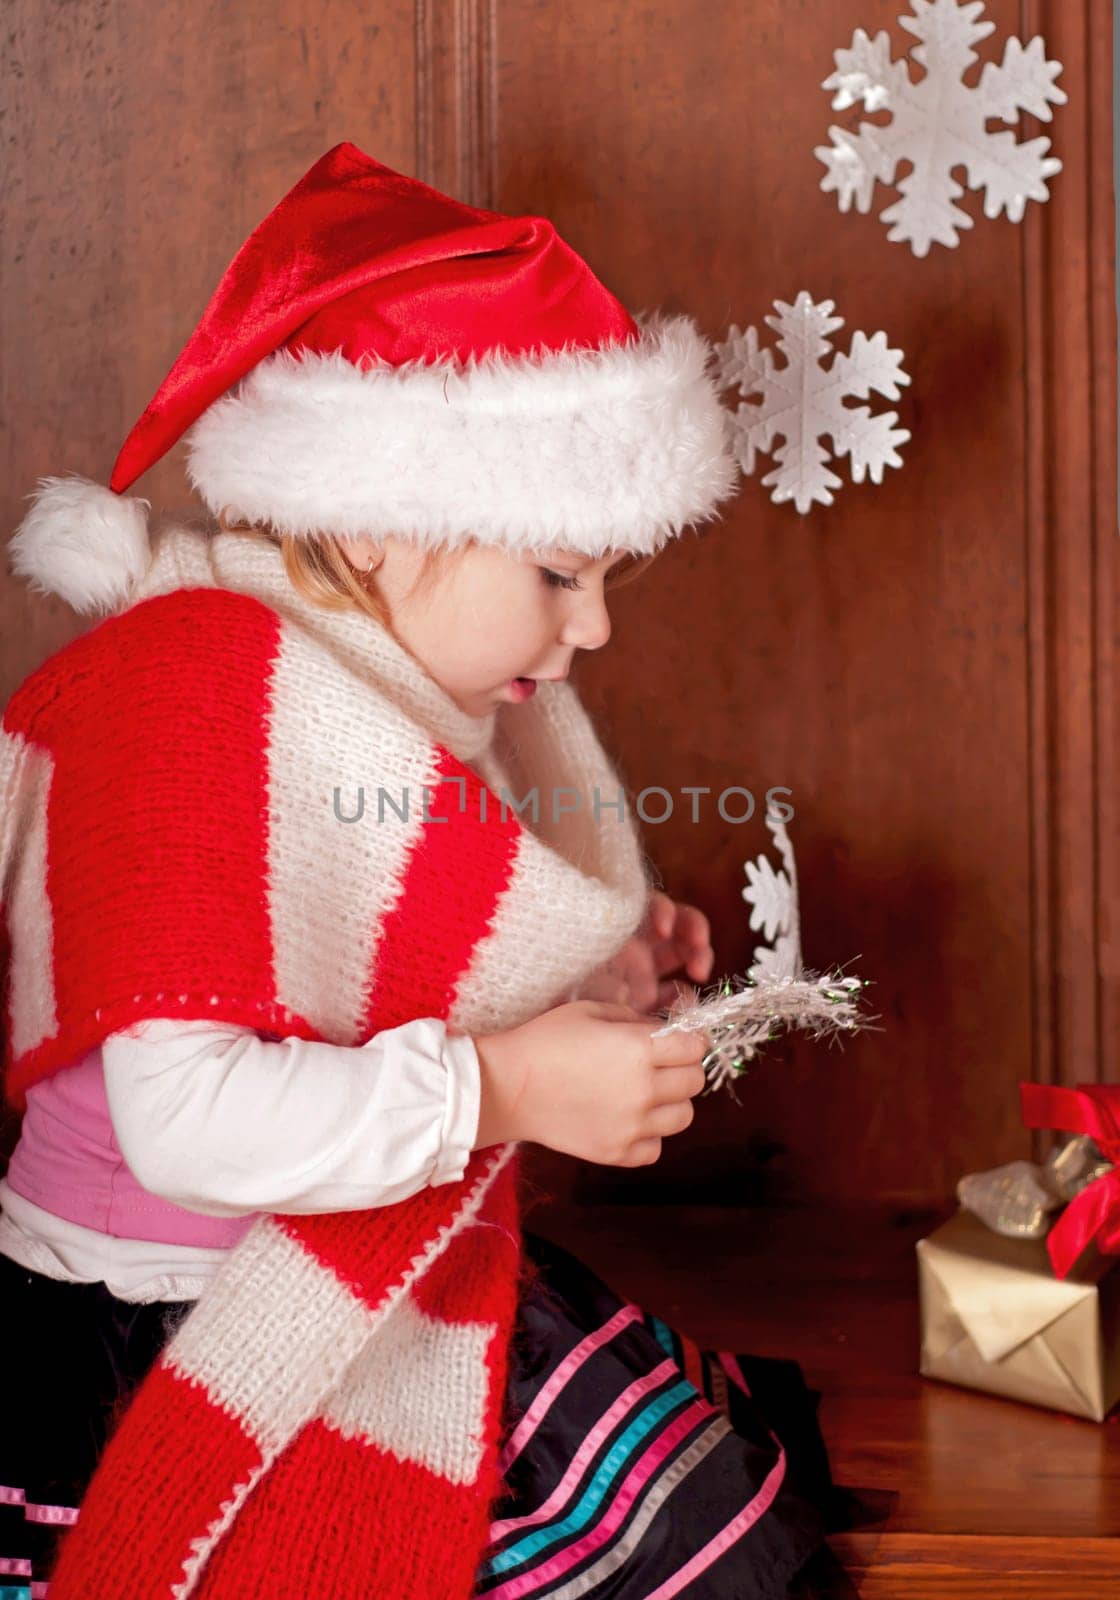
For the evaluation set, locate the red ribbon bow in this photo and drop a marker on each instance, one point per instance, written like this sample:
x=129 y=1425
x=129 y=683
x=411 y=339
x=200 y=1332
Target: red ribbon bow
x=1094 y=1214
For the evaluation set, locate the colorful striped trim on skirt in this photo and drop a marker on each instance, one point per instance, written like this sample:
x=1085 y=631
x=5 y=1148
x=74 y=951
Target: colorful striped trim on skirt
x=636 y=1465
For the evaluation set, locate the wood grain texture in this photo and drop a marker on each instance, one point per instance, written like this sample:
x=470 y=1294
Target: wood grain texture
x=974 y=1495
x=919 y=663
x=1069 y=338
x=929 y=666
x=945 y=1567
x=455 y=99
x=134 y=168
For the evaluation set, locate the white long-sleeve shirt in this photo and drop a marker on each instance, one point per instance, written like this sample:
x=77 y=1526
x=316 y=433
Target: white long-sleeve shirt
x=217 y=1120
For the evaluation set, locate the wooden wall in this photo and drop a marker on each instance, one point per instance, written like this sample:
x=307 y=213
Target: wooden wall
x=930 y=666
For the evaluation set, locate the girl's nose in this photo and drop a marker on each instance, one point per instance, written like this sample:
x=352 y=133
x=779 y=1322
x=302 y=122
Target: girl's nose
x=589 y=626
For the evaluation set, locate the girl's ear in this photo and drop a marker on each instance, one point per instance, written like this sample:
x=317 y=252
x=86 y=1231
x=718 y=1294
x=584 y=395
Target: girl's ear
x=366 y=555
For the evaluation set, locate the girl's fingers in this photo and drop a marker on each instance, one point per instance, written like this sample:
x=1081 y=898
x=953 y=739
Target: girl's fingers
x=685 y=941
x=662 y=914
x=697 y=961
x=699 y=965
x=680 y=1048
x=671 y=954
x=674 y=1084
x=679 y=936
x=693 y=930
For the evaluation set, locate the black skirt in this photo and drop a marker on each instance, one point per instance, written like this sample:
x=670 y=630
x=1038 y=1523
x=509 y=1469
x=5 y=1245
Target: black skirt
x=636 y=1465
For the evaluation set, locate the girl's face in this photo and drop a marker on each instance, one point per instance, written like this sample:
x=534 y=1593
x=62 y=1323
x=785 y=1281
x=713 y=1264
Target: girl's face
x=491 y=617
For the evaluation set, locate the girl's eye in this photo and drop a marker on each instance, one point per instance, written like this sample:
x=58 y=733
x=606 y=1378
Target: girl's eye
x=561 y=580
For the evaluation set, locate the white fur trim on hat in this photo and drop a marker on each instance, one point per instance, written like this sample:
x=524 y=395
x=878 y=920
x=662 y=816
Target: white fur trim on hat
x=82 y=541
x=595 y=450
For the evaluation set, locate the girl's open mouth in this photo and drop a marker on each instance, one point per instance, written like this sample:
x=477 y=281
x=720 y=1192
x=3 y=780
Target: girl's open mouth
x=523 y=688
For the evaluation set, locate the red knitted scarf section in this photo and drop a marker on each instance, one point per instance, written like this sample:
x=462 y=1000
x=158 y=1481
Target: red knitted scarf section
x=326 y=1419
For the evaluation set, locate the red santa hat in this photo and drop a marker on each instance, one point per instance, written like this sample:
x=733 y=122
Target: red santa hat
x=381 y=359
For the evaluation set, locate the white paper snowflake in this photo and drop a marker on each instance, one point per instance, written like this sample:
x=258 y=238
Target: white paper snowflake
x=940 y=124
x=772 y=897
x=742 y=1014
x=803 y=402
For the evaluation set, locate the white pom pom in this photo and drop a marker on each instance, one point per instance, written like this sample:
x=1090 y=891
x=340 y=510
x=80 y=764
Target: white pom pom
x=83 y=542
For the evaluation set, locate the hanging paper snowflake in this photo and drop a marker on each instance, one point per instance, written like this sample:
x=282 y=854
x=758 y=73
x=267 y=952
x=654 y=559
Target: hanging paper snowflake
x=740 y=1014
x=803 y=402
x=773 y=899
x=940 y=124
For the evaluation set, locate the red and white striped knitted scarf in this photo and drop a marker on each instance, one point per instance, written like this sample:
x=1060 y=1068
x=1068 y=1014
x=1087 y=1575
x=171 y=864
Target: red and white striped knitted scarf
x=173 y=788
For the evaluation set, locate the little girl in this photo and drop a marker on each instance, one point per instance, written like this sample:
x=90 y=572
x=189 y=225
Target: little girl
x=321 y=897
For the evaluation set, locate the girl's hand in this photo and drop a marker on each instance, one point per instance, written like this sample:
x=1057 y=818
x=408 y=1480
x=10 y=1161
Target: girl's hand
x=672 y=936
x=591 y=1080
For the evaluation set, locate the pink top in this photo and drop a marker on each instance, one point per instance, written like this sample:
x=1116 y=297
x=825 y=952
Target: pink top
x=144 y=1162
x=69 y=1162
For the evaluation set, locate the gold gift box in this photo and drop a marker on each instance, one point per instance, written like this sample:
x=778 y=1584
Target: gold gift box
x=995 y=1317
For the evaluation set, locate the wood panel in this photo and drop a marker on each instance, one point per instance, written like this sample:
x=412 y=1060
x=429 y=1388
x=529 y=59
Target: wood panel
x=1070 y=342
x=134 y=167
x=929 y=665
x=456 y=137
x=135 y=164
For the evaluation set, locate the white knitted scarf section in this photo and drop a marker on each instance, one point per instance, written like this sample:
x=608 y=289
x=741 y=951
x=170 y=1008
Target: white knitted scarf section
x=353 y=709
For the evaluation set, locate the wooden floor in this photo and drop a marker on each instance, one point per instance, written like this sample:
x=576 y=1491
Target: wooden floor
x=978 y=1496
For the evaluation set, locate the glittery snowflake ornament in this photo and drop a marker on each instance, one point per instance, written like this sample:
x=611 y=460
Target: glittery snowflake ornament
x=940 y=124
x=741 y=1014
x=803 y=402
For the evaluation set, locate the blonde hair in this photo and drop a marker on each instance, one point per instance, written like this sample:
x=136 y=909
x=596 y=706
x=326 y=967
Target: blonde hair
x=319 y=569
